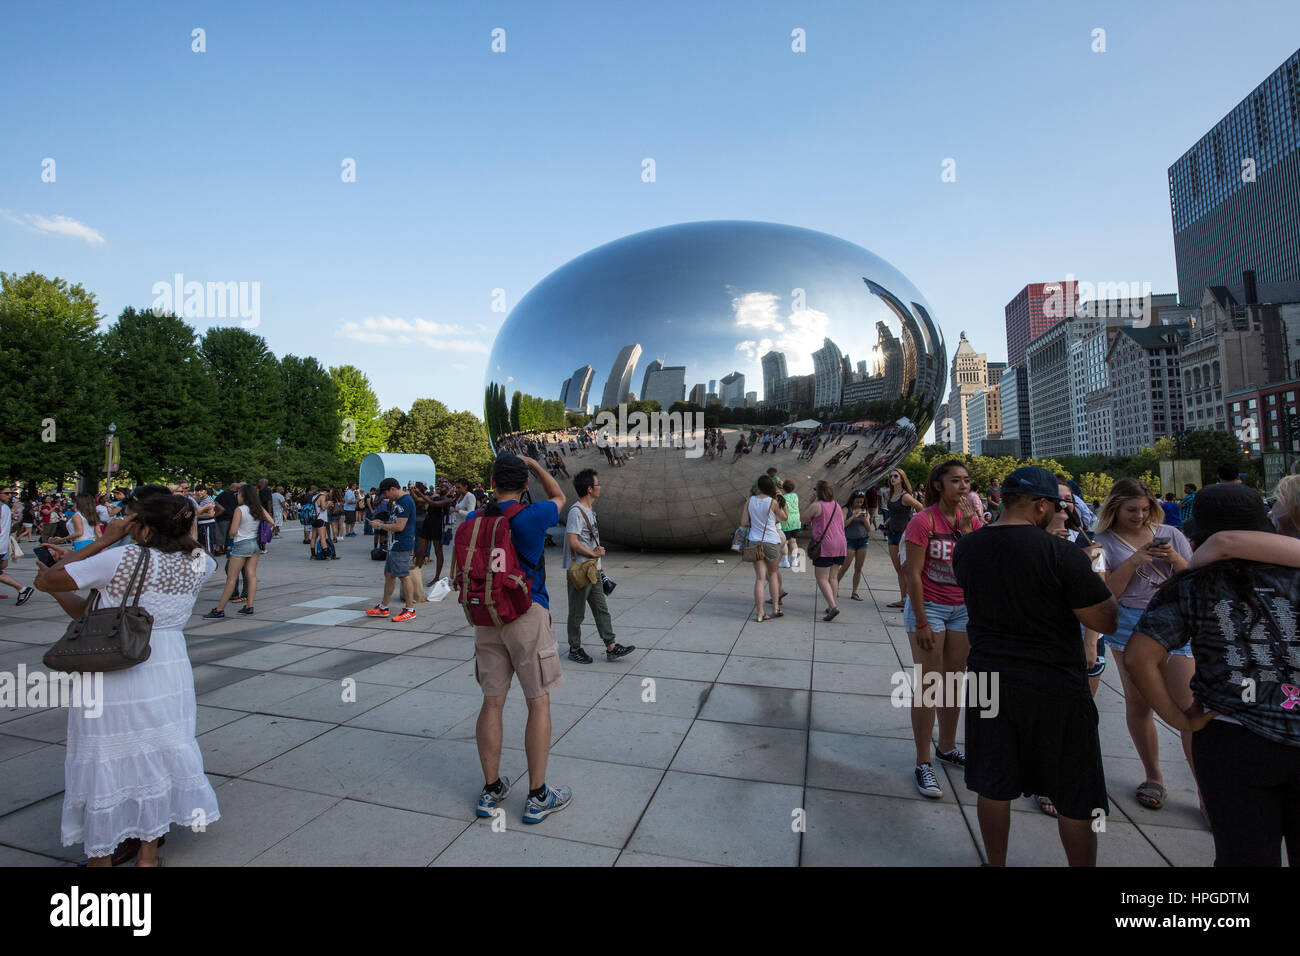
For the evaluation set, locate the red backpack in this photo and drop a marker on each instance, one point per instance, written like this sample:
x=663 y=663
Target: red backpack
x=485 y=568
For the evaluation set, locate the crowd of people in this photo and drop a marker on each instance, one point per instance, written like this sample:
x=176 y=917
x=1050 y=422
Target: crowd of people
x=1026 y=589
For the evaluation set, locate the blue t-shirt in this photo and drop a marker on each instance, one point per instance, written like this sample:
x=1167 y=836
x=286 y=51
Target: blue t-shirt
x=404 y=507
x=1172 y=516
x=529 y=531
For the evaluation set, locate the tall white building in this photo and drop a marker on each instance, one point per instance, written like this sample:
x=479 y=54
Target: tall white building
x=1057 y=412
x=970 y=373
x=619 y=383
x=733 y=390
x=828 y=369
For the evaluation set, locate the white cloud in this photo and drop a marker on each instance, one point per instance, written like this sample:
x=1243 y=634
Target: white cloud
x=754 y=349
x=757 y=310
x=441 y=336
x=56 y=225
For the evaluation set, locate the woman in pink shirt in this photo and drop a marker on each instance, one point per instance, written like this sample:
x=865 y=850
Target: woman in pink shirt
x=827 y=526
x=935 y=614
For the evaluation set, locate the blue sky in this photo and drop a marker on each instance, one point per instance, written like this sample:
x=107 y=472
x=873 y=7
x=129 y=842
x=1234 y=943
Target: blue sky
x=479 y=171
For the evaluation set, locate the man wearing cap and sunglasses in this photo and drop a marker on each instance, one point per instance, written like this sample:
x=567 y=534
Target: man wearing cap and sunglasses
x=6 y=524
x=1027 y=592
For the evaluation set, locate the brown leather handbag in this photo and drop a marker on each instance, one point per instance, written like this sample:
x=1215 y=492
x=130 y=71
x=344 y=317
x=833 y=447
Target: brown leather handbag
x=107 y=639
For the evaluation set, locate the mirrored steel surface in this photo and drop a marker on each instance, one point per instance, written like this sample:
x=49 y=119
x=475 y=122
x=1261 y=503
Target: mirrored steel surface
x=810 y=322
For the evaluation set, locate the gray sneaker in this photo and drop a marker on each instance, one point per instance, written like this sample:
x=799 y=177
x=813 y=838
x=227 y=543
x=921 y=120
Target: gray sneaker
x=553 y=801
x=487 y=802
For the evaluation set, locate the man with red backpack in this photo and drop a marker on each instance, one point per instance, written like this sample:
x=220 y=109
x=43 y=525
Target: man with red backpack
x=490 y=584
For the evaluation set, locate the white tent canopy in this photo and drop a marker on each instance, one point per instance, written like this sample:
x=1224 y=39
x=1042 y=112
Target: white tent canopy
x=806 y=423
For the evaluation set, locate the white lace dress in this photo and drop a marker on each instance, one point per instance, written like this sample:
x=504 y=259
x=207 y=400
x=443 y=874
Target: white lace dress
x=135 y=769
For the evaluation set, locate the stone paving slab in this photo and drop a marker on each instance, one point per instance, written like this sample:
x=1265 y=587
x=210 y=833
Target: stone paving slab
x=718 y=741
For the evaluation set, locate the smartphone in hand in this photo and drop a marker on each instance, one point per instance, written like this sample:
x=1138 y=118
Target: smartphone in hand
x=43 y=555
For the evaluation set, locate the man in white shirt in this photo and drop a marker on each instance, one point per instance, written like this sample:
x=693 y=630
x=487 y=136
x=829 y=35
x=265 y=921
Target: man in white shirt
x=6 y=524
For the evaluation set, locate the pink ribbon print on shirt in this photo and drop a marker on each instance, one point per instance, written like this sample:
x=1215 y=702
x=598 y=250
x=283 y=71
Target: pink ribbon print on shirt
x=1292 y=696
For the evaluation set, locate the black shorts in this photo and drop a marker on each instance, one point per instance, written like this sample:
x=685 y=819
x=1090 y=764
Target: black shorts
x=318 y=523
x=1035 y=744
x=828 y=562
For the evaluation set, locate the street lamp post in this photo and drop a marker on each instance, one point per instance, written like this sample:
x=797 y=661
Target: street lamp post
x=108 y=459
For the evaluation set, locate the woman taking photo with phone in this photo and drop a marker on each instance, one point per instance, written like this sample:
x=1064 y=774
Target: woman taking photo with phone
x=857 y=525
x=244 y=550
x=935 y=613
x=899 y=504
x=133 y=765
x=1141 y=555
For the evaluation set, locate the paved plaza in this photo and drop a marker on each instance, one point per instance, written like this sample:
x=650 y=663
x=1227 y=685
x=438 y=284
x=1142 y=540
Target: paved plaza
x=706 y=745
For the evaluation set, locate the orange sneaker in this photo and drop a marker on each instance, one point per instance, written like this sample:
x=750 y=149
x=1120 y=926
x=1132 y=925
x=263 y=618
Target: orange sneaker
x=378 y=611
x=404 y=616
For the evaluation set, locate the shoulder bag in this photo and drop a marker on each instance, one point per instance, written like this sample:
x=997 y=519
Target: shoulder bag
x=586 y=572
x=754 y=549
x=107 y=639
x=815 y=549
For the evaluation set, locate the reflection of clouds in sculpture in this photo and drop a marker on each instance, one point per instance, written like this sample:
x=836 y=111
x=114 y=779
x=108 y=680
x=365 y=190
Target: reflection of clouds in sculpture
x=808 y=327
x=757 y=310
x=716 y=298
x=753 y=350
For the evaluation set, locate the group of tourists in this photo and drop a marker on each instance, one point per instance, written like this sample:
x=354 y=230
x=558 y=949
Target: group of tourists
x=1038 y=611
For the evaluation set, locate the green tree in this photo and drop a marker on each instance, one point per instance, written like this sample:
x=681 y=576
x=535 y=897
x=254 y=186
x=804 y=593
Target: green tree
x=311 y=405
x=163 y=401
x=245 y=376
x=460 y=447
x=56 y=390
x=516 y=401
x=392 y=420
x=415 y=434
x=1095 y=486
x=361 y=430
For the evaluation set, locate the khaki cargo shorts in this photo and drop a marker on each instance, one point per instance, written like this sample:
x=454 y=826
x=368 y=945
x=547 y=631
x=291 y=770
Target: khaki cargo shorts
x=526 y=646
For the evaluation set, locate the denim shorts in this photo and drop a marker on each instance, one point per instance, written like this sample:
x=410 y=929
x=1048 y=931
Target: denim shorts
x=856 y=544
x=1128 y=618
x=940 y=617
x=244 y=549
x=894 y=539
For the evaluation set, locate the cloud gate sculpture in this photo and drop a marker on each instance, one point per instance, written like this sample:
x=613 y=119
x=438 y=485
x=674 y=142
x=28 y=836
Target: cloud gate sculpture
x=741 y=325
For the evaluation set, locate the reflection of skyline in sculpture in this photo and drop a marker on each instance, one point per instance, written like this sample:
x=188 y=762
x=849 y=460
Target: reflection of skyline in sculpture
x=772 y=319
x=620 y=376
x=574 y=393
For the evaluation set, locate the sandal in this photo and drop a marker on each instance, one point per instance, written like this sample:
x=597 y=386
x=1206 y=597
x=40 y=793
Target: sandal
x=895 y=604
x=1045 y=804
x=1152 y=795
x=761 y=619
x=778 y=613
x=855 y=596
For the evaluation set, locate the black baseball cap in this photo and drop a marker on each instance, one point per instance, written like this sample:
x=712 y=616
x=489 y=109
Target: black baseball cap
x=1032 y=480
x=1226 y=507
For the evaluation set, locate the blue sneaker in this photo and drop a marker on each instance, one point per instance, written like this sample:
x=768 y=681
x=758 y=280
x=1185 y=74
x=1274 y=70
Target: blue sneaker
x=553 y=801
x=487 y=802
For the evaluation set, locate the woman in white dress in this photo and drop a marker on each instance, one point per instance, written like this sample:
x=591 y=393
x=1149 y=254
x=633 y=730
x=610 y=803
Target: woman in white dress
x=135 y=769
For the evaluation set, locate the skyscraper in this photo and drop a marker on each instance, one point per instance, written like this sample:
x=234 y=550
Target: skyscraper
x=666 y=385
x=733 y=390
x=1034 y=310
x=829 y=372
x=774 y=374
x=970 y=373
x=575 y=397
x=619 y=382
x=698 y=394
x=654 y=366
x=1235 y=197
